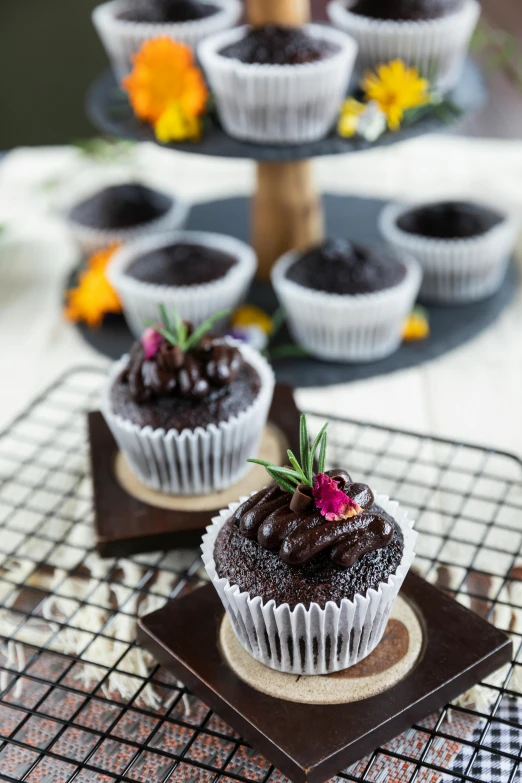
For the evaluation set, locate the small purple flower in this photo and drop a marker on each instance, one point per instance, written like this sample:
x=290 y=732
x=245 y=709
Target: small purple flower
x=151 y=341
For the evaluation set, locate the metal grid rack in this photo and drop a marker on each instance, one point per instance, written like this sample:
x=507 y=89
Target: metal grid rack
x=80 y=702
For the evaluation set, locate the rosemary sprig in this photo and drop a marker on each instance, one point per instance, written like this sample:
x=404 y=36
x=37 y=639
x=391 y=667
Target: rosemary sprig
x=300 y=473
x=176 y=331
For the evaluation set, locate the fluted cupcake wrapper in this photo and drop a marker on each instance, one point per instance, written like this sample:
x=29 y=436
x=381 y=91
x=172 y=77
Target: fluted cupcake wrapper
x=455 y=271
x=123 y=39
x=90 y=239
x=279 y=104
x=347 y=328
x=313 y=640
x=193 y=303
x=193 y=462
x=437 y=47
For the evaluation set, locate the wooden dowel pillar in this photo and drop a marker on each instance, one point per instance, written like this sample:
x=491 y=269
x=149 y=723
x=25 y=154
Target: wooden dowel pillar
x=285 y=12
x=287 y=211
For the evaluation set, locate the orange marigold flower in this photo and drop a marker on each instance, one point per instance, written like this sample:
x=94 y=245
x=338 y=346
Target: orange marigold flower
x=94 y=296
x=164 y=73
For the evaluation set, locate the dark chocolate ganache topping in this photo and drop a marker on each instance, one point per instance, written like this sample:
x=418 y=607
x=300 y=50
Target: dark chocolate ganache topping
x=274 y=45
x=211 y=365
x=340 y=267
x=165 y=11
x=295 y=527
x=121 y=206
x=406 y=10
x=449 y=220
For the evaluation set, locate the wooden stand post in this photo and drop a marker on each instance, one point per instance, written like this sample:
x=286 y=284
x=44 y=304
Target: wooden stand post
x=287 y=212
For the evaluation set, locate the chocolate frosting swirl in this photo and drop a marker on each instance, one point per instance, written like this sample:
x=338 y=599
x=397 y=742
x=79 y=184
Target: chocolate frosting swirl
x=210 y=365
x=298 y=530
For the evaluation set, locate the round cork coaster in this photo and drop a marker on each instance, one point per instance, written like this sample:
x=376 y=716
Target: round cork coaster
x=273 y=449
x=395 y=656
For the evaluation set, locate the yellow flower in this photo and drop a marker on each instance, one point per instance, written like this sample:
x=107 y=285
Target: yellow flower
x=175 y=125
x=351 y=110
x=94 y=296
x=250 y=315
x=165 y=85
x=395 y=88
x=416 y=326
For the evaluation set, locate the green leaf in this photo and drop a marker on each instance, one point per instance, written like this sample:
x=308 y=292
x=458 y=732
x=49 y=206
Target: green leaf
x=304 y=443
x=322 y=453
x=286 y=351
x=282 y=483
x=310 y=467
x=205 y=327
x=296 y=465
x=165 y=317
x=169 y=337
x=278 y=319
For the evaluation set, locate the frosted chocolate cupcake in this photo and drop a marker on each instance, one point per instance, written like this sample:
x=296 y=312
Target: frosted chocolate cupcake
x=347 y=302
x=186 y=409
x=119 y=213
x=432 y=35
x=125 y=25
x=279 y=85
x=192 y=272
x=463 y=247
x=308 y=568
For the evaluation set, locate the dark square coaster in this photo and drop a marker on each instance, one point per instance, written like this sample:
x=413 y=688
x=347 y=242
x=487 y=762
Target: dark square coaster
x=130 y=519
x=311 y=742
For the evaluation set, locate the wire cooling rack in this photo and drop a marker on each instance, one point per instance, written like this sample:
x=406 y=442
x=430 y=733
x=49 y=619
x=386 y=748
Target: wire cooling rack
x=80 y=701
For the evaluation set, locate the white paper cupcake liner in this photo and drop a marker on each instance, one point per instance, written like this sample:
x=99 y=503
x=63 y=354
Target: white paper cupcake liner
x=313 y=640
x=123 y=39
x=193 y=462
x=90 y=239
x=194 y=303
x=347 y=328
x=280 y=104
x=437 y=47
x=455 y=271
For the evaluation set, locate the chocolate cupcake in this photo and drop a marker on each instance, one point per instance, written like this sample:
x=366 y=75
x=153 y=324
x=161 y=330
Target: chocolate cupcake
x=185 y=408
x=119 y=213
x=347 y=302
x=463 y=247
x=431 y=35
x=278 y=85
x=309 y=567
x=194 y=273
x=125 y=25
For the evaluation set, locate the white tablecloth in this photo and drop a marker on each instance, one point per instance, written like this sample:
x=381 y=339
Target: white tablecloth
x=473 y=393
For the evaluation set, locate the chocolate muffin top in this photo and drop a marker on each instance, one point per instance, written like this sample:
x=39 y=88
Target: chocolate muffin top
x=449 y=220
x=340 y=267
x=406 y=10
x=180 y=378
x=164 y=11
x=181 y=264
x=121 y=206
x=309 y=537
x=274 y=45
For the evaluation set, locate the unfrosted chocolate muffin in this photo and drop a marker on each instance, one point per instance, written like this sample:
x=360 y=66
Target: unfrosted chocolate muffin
x=274 y=548
x=274 y=45
x=406 y=10
x=121 y=207
x=181 y=264
x=340 y=267
x=165 y=11
x=176 y=390
x=449 y=220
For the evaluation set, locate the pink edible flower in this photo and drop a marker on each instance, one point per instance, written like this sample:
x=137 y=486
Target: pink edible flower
x=151 y=341
x=333 y=503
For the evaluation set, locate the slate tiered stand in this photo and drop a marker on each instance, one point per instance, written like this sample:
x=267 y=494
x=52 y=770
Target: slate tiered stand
x=287 y=212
